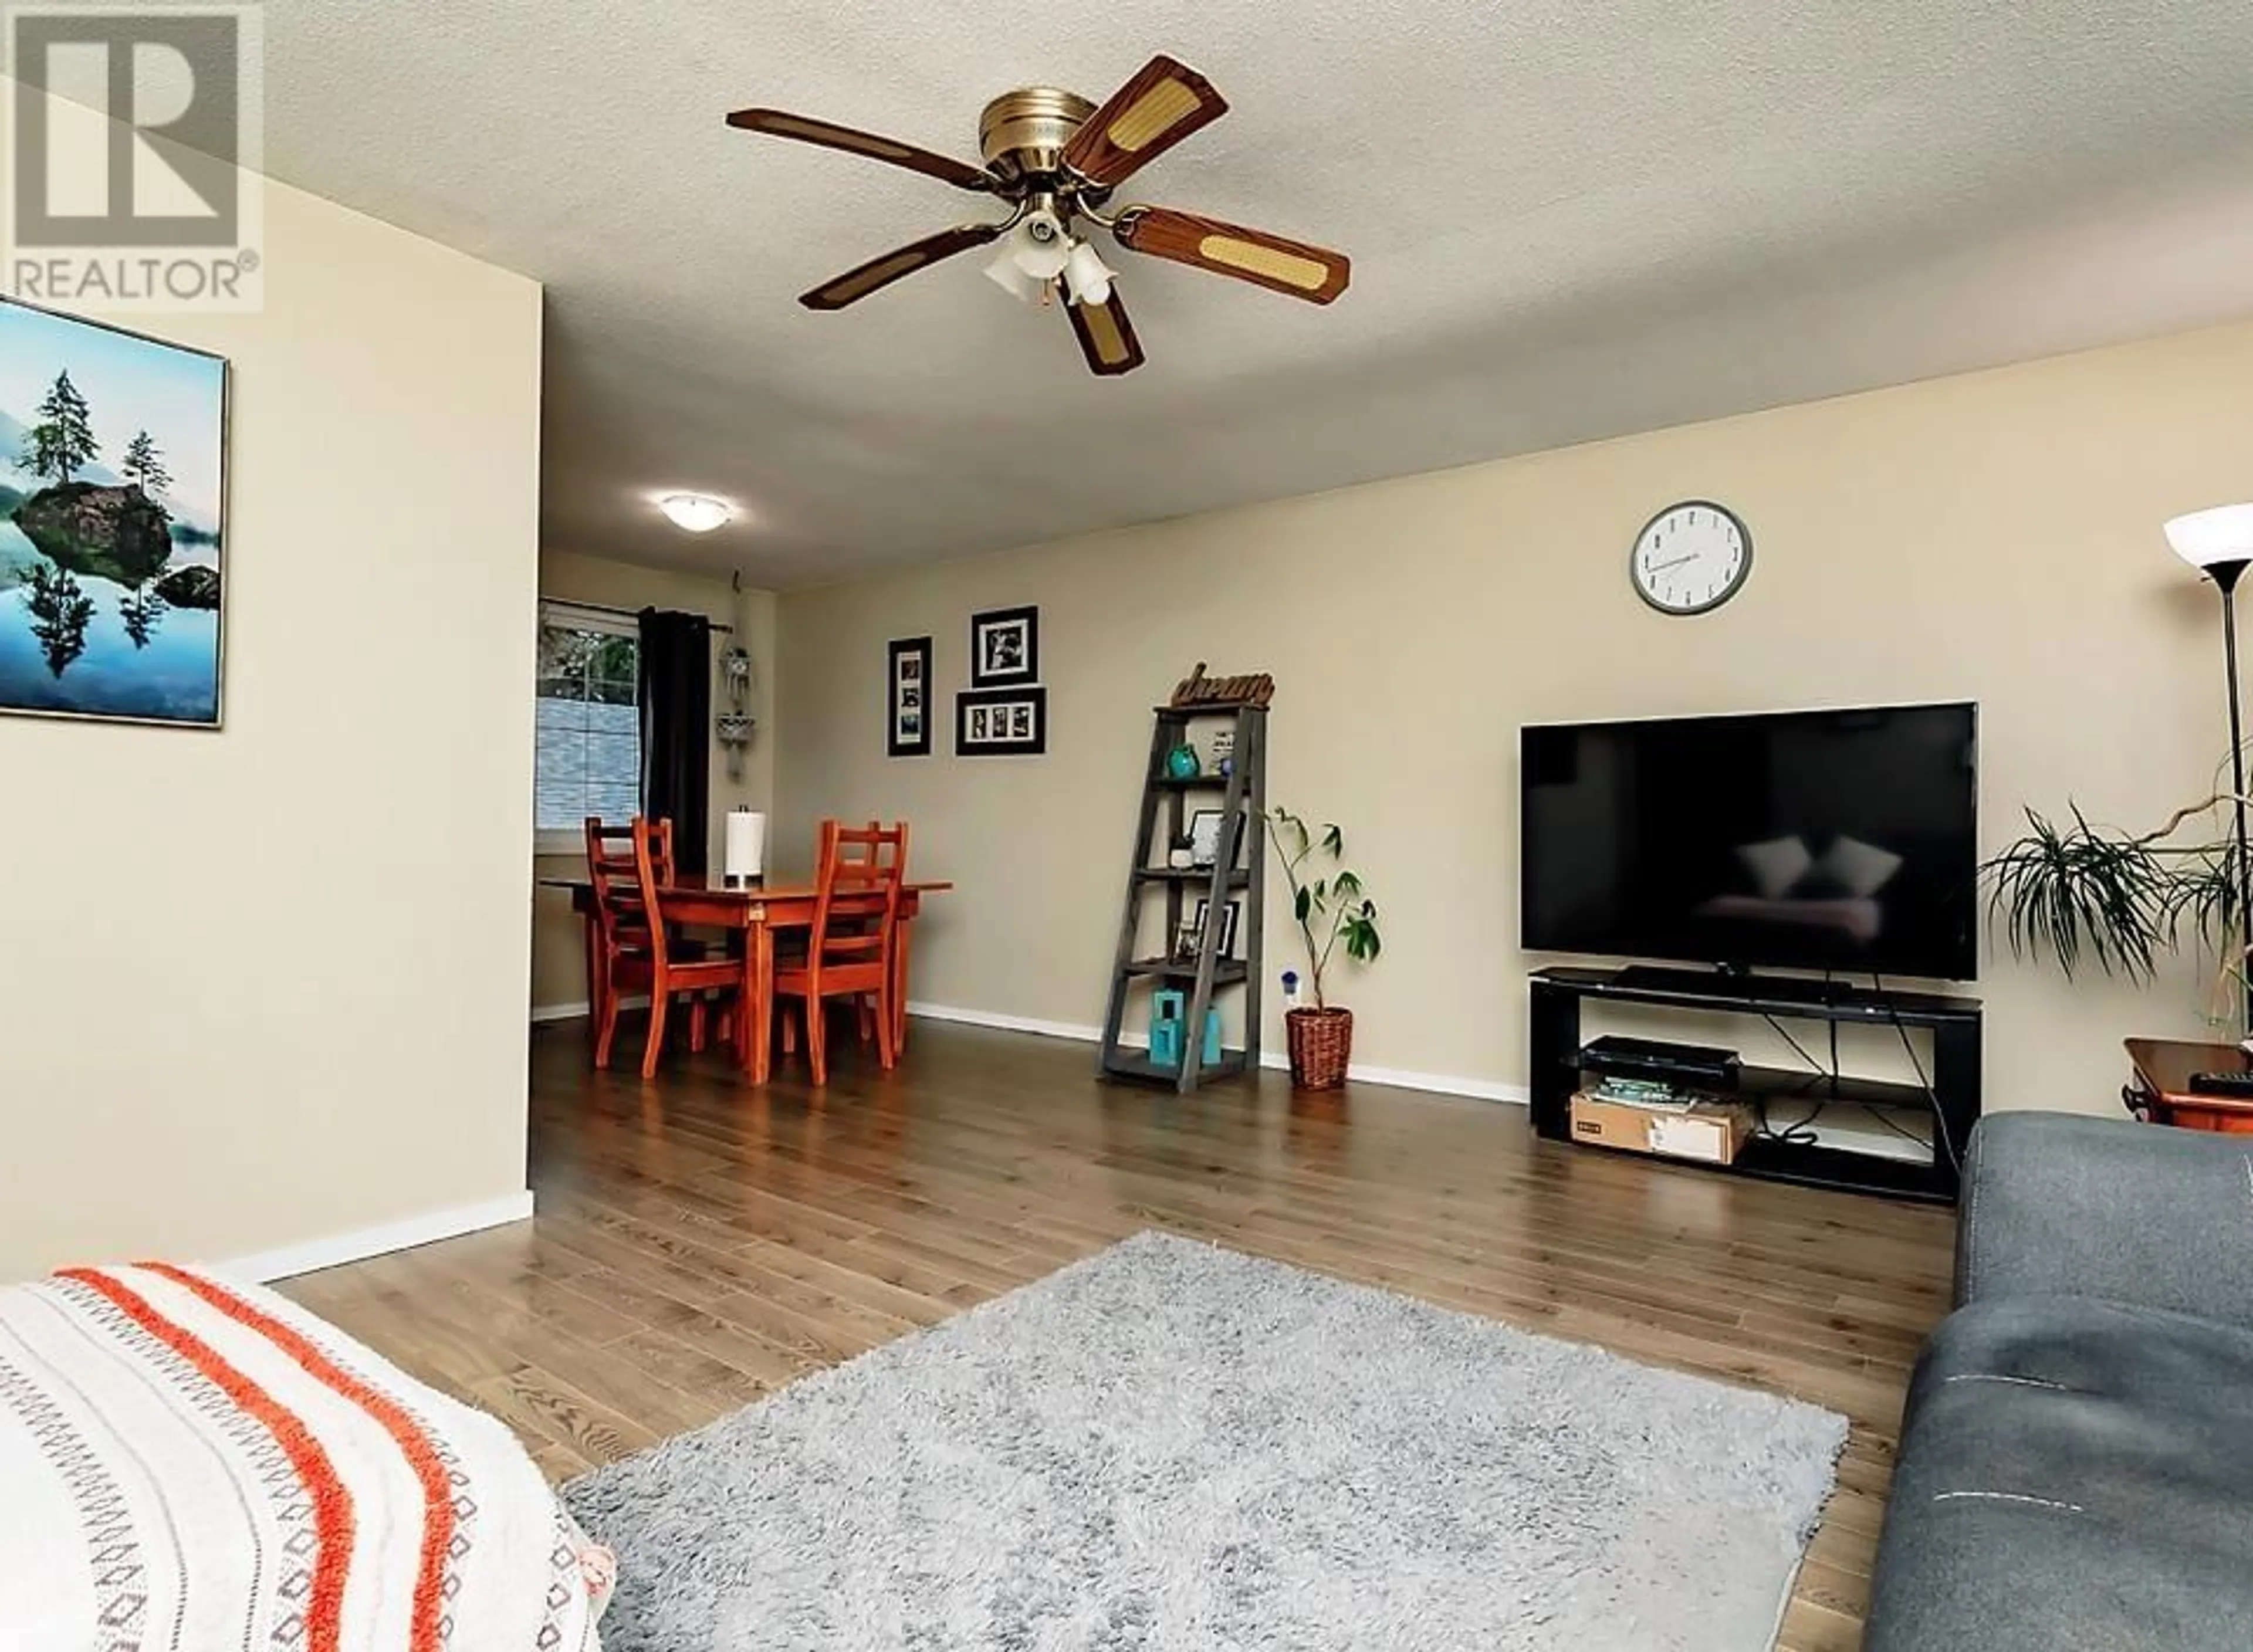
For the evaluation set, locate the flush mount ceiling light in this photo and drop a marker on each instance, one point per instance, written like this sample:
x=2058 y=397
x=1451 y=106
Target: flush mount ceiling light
x=696 y=512
x=1053 y=159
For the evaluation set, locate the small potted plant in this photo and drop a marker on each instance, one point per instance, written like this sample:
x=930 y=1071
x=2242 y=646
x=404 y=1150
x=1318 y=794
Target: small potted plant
x=1332 y=908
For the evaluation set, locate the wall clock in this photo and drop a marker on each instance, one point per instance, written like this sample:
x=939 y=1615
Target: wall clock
x=1690 y=558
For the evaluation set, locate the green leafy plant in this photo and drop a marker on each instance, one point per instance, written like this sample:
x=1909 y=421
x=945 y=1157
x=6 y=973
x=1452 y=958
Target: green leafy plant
x=2085 y=894
x=1332 y=907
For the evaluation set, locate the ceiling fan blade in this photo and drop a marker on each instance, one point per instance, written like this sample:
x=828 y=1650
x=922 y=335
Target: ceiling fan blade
x=805 y=129
x=858 y=283
x=1161 y=106
x=1106 y=338
x=1312 y=273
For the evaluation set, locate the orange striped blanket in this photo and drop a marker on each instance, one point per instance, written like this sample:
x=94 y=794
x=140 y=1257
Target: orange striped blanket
x=189 y=1464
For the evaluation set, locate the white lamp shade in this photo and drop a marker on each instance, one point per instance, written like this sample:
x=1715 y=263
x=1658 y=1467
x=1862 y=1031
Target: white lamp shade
x=2223 y=534
x=1040 y=247
x=1004 y=272
x=1087 y=276
x=697 y=513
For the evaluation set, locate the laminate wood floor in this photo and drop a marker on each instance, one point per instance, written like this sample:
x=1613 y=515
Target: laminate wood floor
x=699 y=1244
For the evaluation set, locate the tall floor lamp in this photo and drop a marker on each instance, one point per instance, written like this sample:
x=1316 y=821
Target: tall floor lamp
x=2219 y=543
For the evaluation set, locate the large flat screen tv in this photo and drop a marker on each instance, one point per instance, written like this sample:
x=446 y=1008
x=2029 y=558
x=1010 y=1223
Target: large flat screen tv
x=1821 y=839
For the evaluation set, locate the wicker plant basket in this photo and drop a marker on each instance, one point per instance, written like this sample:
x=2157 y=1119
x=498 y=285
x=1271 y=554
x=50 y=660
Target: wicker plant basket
x=1321 y=1045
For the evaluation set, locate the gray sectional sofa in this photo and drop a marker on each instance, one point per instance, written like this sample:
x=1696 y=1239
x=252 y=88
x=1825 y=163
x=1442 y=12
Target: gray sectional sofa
x=2077 y=1459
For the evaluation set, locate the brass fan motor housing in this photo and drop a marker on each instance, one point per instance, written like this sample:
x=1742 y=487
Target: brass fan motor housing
x=1023 y=133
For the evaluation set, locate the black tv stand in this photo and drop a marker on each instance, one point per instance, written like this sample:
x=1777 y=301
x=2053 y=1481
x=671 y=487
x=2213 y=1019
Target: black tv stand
x=1951 y=1108
x=1729 y=983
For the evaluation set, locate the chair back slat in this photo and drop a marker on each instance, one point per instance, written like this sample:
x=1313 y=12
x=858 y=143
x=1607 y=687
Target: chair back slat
x=652 y=864
x=863 y=869
x=622 y=909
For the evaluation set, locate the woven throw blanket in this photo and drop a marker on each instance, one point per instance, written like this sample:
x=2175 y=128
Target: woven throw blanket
x=188 y=1464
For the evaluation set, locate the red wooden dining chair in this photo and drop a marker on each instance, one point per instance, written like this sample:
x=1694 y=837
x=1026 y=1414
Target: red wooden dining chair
x=635 y=950
x=850 y=951
x=617 y=930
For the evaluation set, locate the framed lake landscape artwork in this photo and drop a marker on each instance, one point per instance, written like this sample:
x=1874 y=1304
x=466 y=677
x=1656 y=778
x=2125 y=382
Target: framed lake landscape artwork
x=113 y=494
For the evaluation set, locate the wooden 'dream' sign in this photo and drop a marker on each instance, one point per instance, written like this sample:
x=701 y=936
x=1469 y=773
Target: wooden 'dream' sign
x=1201 y=692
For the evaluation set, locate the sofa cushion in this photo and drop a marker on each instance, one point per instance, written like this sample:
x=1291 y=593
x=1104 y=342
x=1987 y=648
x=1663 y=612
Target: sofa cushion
x=2073 y=1473
x=2058 y=1204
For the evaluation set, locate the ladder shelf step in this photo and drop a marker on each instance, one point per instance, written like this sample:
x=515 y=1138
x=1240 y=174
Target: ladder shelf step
x=1142 y=1069
x=1226 y=972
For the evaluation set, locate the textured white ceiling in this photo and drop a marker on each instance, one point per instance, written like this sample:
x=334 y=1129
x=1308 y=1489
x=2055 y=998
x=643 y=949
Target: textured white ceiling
x=1569 y=219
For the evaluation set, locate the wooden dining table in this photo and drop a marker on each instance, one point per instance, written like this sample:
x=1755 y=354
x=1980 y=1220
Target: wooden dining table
x=757 y=911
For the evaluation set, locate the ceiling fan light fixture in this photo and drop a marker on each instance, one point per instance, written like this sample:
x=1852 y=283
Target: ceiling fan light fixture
x=1005 y=273
x=1054 y=159
x=1040 y=246
x=1087 y=276
x=696 y=512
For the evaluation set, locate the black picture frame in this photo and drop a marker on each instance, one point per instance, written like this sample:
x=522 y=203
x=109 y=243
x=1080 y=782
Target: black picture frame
x=1231 y=916
x=1001 y=722
x=907 y=696
x=1005 y=647
x=1198 y=827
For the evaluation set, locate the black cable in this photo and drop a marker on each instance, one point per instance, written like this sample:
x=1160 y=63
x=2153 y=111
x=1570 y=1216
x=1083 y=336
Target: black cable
x=1802 y=1133
x=1931 y=1096
x=1830 y=1072
x=1902 y=1131
x=1799 y=1135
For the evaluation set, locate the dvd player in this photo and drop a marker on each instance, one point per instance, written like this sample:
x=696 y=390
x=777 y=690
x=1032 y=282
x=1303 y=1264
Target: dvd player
x=1652 y=1058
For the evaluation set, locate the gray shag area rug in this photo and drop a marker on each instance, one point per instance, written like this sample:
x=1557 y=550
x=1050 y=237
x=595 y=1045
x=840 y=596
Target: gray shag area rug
x=1175 y=1447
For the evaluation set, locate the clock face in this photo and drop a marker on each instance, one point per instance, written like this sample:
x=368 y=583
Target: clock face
x=1691 y=558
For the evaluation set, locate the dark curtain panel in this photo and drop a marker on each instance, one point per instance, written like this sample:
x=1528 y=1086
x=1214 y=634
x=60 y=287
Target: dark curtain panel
x=676 y=729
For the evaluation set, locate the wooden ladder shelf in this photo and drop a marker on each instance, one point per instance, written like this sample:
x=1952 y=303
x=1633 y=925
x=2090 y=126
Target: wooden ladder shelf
x=1234 y=875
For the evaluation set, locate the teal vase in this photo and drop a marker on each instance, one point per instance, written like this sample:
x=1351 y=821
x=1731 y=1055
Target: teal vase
x=1184 y=763
x=1169 y=1024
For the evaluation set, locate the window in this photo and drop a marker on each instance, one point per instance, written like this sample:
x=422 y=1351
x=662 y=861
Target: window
x=588 y=758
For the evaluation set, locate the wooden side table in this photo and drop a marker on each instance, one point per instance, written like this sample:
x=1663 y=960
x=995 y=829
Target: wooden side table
x=2161 y=1089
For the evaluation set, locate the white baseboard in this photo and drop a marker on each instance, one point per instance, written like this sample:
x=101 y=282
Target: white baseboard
x=1076 y=1034
x=1431 y=1084
x=402 y=1235
x=1393 y=1077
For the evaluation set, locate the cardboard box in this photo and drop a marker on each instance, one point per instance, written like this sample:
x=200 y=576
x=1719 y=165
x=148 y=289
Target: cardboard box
x=1612 y=1124
x=1710 y=1132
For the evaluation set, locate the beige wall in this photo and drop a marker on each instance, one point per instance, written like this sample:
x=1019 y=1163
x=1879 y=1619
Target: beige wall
x=265 y=985
x=559 y=979
x=1994 y=537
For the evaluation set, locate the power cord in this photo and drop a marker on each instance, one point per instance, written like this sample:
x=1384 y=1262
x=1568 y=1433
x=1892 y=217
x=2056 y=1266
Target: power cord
x=1801 y=1134
x=1931 y=1096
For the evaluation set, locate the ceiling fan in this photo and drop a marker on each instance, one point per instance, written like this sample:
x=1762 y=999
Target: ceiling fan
x=1055 y=158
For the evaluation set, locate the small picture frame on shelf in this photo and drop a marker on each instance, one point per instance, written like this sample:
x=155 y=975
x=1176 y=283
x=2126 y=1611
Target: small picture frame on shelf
x=908 y=682
x=1204 y=837
x=1189 y=937
x=1229 y=916
x=1004 y=648
x=1001 y=722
